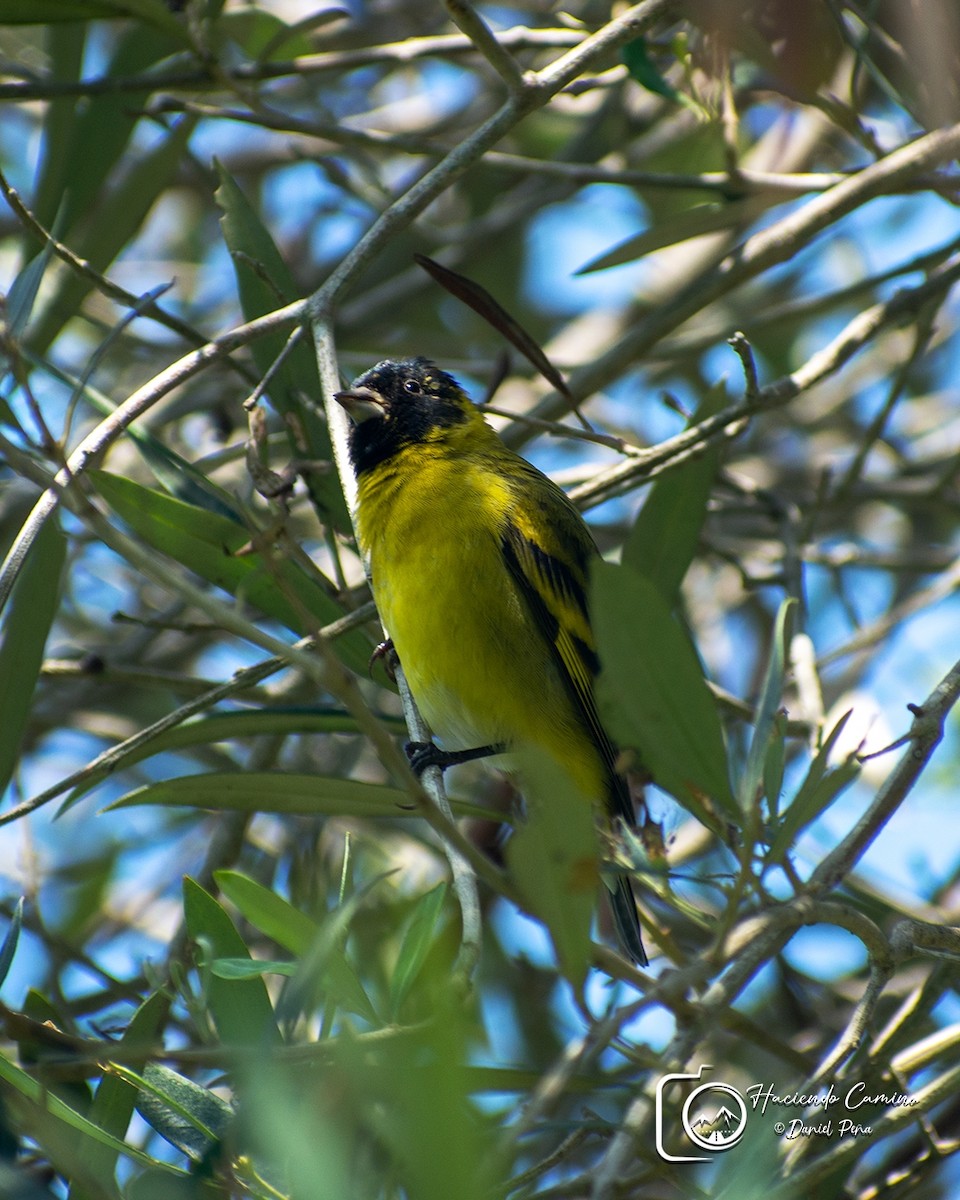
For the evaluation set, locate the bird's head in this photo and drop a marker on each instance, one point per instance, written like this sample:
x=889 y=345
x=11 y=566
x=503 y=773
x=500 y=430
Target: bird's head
x=404 y=402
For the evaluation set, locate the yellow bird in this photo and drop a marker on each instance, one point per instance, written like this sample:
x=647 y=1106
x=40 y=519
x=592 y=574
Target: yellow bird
x=479 y=569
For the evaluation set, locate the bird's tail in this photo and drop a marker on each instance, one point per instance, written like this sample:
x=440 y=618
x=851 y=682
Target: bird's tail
x=624 y=907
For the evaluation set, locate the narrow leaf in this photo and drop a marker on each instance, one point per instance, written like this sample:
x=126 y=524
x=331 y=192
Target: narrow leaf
x=665 y=536
x=268 y=912
x=479 y=299
x=12 y=937
x=730 y=215
x=209 y=544
x=30 y=612
x=652 y=694
x=417 y=940
x=265 y=283
x=240 y=1009
x=221 y=727
x=185 y=1114
x=768 y=706
x=115 y=1099
x=272 y=791
x=251 y=968
x=38 y=1093
x=555 y=859
x=820 y=788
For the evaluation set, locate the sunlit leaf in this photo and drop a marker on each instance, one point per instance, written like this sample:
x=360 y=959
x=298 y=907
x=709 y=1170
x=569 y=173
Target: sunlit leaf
x=238 y=726
x=251 y=968
x=270 y=913
x=272 y=791
x=296 y=932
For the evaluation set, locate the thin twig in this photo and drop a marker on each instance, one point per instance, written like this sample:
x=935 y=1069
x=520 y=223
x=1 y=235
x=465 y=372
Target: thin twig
x=197 y=78
x=925 y=735
x=861 y=330
x=765 y=249
x=469 y=22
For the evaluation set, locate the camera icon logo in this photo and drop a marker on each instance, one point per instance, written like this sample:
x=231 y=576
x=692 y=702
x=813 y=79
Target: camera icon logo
x=713 y=1116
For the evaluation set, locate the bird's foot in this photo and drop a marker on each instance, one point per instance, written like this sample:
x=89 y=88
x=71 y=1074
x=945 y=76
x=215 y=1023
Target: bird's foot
x=422 y=755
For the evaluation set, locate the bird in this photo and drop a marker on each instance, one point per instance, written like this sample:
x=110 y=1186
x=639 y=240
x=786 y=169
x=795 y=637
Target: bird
x=479 y=565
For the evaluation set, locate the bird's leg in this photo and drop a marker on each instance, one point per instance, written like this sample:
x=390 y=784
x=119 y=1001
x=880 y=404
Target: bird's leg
x=426 y=754
x=384 y=650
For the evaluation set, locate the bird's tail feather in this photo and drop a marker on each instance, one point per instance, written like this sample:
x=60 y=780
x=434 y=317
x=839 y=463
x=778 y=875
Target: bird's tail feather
x=624 y=908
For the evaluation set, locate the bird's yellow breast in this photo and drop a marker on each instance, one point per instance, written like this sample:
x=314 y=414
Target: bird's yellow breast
x=430 y=525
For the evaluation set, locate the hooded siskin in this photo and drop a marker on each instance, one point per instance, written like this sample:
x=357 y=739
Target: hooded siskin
x=479 y=569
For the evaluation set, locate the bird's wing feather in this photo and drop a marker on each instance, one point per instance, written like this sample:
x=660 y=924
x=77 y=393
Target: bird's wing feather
x=554 y=588
x=548 y=560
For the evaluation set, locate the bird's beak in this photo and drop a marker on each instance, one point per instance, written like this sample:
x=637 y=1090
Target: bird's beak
x=362 y=404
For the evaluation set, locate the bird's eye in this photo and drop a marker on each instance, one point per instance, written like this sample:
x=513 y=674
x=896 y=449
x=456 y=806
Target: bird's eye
x=411 y=386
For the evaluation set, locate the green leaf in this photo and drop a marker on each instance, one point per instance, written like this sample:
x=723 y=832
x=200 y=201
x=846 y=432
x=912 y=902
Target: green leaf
x=208 y=543
x=819 y=789
x=417 y=940
x=665 y=536
x=264 y=36
x=727 y=216
x=265 y=283
x=37 y=1094
x=121 y=212
x=774 y=763
x=180 y=477
x=222 y=727
x=767 y=708
x=115 y=1099
x=30 y=612
x=296 y=932
x=241 y=1009
x=23 y=290
x=12 y=937
x=91 y=138
x=652 y=694
x=636 y=58
x=52 y=12
x=268 y=912
x=324 y=972
x=436 y=1146
x=251 y=968
x=272 y=791
x=185 y=1114
x=555 y=859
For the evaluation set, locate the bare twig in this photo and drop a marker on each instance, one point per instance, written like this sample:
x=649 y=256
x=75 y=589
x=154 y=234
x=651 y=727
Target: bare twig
x=925 y=735
x=196 y=78
x=862 y=329
x=763 y=250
